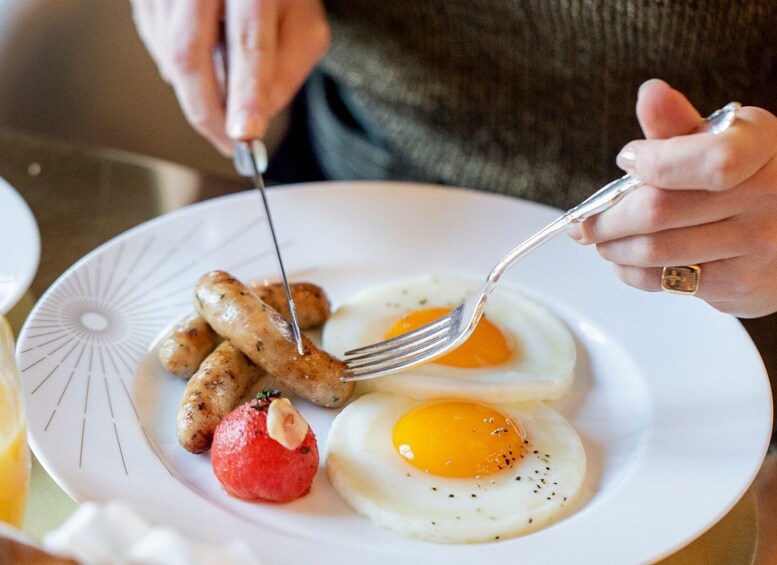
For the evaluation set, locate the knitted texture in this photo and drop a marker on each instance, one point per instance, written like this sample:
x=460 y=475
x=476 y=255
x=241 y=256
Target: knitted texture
x=535 y=98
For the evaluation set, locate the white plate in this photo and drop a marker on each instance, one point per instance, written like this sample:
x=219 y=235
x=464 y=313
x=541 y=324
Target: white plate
x=671 y=398
x=19 y=246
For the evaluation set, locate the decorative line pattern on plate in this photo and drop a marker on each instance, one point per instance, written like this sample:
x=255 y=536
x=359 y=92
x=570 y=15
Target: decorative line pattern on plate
x=99 y=321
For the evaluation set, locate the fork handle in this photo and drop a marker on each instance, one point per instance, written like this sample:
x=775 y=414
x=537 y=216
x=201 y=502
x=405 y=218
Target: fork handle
x=601 y=200
x=554 y=228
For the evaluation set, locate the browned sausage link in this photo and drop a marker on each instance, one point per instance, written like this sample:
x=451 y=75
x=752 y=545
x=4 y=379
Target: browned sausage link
x=193 y=339
x=187 y=345
x=236 y=313
x=216 y=388
x=310 y=302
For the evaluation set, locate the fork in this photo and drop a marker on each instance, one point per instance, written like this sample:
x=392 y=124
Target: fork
x=446 y=333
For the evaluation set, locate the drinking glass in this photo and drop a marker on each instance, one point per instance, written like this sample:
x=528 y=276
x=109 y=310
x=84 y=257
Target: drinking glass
x=14 y=453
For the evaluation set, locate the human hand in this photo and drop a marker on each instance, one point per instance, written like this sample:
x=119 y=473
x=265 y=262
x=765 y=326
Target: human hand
x=710 y=200
x=272 y=45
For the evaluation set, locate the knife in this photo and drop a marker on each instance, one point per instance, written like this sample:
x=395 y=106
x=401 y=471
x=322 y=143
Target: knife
x=250 y=160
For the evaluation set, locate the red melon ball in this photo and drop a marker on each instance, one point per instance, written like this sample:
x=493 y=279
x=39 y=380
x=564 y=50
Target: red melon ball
x=251 y=465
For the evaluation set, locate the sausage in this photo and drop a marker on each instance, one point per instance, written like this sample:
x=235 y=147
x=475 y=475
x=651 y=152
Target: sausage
x=310 y=302
x=187 y=345
x=193 y=339
x=217 y=387
x=236 y=313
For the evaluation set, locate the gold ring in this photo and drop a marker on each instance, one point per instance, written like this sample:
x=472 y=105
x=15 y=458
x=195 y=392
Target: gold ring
x=681 y=280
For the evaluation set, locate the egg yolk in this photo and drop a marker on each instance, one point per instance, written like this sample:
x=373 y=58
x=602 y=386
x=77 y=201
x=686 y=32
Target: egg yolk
x=487 y=346
x=458 y=439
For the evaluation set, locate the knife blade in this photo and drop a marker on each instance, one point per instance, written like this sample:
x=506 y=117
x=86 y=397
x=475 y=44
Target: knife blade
x=250 y=160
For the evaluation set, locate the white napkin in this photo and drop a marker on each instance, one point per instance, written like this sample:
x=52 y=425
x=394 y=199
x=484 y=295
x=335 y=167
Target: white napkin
x=112 y=534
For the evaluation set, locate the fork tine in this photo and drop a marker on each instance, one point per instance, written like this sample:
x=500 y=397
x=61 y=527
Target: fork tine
x=394 y=354
x=384 y=366
x=401 y=339
x=407 y=345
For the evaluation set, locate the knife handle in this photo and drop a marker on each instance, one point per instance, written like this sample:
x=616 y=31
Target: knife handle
x=244 y=151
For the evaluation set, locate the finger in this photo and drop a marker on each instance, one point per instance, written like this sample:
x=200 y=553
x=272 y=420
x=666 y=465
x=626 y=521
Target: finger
x=650 y=210
x=726 y=285
x=304 y=38
x=649 y=278
x=146 y=15
x=252 y=42
x=162 y=12
x=195 y=28
x=643 y=278
x=664 y=112
x=698 y=244
x=705 y=161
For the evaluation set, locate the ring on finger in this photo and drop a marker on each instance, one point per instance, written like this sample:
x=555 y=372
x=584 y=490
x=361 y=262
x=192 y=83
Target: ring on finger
x=681 y=279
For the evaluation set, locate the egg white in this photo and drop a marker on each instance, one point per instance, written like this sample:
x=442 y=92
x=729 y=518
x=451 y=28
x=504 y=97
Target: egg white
x=365 y=469
x=544 y=371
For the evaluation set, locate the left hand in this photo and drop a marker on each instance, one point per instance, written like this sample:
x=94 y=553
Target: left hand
x=710 y=200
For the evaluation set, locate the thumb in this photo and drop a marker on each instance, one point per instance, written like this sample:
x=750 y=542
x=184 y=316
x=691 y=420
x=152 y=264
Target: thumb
x=664 y=112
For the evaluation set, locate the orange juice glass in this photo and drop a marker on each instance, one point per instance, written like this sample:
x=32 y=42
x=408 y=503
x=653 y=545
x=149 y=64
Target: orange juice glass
x=14 y=453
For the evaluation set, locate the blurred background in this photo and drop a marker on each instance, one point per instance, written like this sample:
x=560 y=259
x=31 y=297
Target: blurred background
x=77 y=70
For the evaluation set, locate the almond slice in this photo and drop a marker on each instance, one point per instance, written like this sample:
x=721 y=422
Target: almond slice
x=285 y=425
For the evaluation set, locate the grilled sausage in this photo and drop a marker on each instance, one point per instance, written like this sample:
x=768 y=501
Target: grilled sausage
x=310 y=302
x=236 y=313
x=193 y=339
x=187 y=345
x=222 y=380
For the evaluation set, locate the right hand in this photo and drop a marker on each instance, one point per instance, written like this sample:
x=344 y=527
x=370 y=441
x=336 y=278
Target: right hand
x=272 y=44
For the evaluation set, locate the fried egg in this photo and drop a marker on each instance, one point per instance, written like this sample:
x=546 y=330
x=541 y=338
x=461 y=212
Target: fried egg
x=519 y=350
x=455 y=471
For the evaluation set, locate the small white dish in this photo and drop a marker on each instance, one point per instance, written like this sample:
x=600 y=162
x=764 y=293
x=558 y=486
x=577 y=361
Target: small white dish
x=19 y=246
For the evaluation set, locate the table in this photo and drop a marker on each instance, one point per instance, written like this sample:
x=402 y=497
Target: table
x=82 y=197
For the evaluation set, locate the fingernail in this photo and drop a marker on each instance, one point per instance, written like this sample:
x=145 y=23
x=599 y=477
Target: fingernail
x=626 y=159
x=244 y=125
x=649 y=82
x=574 y=232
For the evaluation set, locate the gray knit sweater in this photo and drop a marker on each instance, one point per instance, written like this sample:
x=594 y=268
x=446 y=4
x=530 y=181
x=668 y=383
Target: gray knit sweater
x=532 y=98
